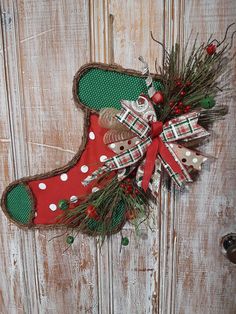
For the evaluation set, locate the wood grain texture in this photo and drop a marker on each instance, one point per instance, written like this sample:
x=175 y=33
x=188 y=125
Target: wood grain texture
x=174 y=12
x=54 y=44
x=135 y=283
x=177 y=265
x=17 y=285
x=99 y=52
x=205 y=280
x=45 y=45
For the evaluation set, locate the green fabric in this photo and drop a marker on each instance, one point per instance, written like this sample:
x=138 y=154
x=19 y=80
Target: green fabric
x=19 y=204
x=100 y=88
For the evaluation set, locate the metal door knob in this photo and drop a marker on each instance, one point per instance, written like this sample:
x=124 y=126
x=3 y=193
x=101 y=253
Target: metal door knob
x=229 y=246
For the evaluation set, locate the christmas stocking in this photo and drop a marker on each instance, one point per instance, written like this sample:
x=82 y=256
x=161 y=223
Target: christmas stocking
x=41 y=199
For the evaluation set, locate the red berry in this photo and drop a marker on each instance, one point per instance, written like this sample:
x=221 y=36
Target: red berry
x=177 y=111
x=183 y=93
x=188 y=84
x=180 y=104
x=178 y=84
x=171 y=103
x=158 y=98
x=129 y=189
x=211 y=49
x=91 y=212
x=187 y=108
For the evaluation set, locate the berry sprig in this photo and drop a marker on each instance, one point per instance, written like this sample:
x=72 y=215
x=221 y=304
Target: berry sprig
x=128 y=187
x=181 y=89
x=180 y=108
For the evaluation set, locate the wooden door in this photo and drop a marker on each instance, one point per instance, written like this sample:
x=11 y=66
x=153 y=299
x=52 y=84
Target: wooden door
x=177 y=266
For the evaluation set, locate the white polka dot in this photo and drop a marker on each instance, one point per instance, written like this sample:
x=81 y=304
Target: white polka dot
x=35 y=214
x=53 y=207
x=84 y=169
x=73 y=199
x=95 y=189
x=188 y=153
x=112 y=145
x=64 y=177
x=91 y=135
x=171 y=145
x=195 y=160
x=42 y=186
x=103 y=158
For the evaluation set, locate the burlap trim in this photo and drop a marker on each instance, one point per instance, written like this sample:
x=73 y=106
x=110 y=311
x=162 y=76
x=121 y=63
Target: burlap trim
x=60 y=170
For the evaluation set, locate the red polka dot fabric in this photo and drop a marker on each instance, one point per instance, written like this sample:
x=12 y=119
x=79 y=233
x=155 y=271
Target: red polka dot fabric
x=48 y=192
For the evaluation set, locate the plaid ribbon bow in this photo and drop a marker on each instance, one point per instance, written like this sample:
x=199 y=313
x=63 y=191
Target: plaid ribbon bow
x=184 y=127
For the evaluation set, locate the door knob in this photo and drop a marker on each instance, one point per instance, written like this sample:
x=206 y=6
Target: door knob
x=229 y=247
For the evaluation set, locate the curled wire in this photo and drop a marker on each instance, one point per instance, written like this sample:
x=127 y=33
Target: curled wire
x=232 y=40
x=165 y=52
x=225 y=37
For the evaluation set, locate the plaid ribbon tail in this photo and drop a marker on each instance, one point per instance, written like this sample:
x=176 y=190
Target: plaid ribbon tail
x=184 y=127
x=120 y=161
x=129 y=157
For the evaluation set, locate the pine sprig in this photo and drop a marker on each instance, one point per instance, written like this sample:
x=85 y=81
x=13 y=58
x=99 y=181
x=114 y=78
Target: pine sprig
x=199 y=74
x=107 y=208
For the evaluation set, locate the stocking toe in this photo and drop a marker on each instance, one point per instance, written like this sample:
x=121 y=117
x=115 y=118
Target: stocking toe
x=18 y=204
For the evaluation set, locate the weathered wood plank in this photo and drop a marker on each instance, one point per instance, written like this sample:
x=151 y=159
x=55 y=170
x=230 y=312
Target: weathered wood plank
x=54 y=43
x=174 y=11
x=205 y=280
x=133 y=22
x=51 y=38
x=135 y=281
x=19 y=290
x=100 y=52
